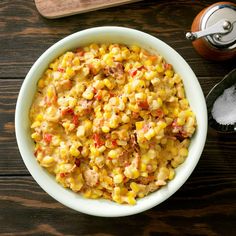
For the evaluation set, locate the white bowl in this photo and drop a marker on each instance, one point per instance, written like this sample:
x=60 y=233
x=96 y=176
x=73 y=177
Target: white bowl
x=127 y=36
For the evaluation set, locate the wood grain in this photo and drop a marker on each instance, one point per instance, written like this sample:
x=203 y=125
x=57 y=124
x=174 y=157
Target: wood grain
x=191 y=205
x=205 y=205
x=24 y=39
x=59 y=8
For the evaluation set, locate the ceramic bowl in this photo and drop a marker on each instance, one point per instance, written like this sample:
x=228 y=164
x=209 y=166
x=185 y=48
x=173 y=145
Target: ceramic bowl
x=120 y=35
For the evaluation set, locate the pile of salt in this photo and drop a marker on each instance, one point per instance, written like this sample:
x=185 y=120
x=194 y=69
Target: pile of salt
x=224 y=108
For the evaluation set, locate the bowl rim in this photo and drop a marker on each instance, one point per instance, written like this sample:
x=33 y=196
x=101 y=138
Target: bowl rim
x=120 y=210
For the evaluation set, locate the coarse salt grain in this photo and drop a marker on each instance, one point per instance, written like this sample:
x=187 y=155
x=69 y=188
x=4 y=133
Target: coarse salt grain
x=224 y=108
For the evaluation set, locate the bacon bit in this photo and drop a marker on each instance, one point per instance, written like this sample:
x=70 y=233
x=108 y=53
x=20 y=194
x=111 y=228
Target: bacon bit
x=92 y=69
x=62 y=70
x=160 y=113
x=167 y=66
x=80 y=52
x=151 y=178
x=112 y=95
x=36 y=153
x=67 y=111
x=174 y=124
x=98 y=142
x=54 y=99
x=171 y=137
x=88 y=111
x=47 y=138
x=143 y=104
x=67 y=85
x=77 y=162
x=62 y=175
x=75 y=120
x=39 y=149
x=145 y=128
x=114 y=143
x=135 y=115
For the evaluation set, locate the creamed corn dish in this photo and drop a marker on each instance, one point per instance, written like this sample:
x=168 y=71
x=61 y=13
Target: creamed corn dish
x=111 y=121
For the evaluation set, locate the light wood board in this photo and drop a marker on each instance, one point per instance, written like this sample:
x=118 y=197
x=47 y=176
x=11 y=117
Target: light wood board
x=60 y=8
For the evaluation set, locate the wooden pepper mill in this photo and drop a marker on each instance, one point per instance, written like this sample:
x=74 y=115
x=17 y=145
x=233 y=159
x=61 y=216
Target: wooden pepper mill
x=214 y=31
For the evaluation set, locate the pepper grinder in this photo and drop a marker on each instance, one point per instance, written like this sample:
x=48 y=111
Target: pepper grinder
x=213 y=31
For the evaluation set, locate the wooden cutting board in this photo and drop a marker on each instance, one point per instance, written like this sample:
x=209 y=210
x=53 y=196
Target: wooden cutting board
x=60 y=8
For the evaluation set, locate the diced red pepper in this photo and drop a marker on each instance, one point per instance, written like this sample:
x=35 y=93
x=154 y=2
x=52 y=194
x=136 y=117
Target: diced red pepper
x=62 y=70
x=94 y=90
x=143 y=104
x=153 y=58
x=67 y=111
x=133 y=72
x=98 y=142
x=114 y=143
x=47 y=138
x=75 y=120
x=62 y=175
x=98 y=95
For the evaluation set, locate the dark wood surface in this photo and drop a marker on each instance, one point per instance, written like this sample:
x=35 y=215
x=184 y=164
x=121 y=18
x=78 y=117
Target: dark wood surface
x=205 y=205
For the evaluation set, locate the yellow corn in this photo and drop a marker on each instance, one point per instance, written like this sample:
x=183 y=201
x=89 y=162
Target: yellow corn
x=134 y=187
x=118 y=179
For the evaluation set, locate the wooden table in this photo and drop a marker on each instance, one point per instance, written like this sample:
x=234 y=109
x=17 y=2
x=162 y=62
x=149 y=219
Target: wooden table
x=205 y=205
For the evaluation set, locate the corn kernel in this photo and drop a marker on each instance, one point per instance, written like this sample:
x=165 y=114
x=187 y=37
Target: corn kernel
x=118 y=179
x=36 y=136
x=131 y=200
x=88 y=95
x=41 y=83
x=113 y=154
x=108 y=83
x=105 y=129
x=94 y=151
x=145 y=159
x=114 y=122
x=159 y=68
x=150 y=134
x=180 y=121
x=39 y=117
x=143 y=167
x=135 y=48
x=74 y=150
x=125 y=118
x=147 y=62
x=139 y=125
x=134 y=187
x=47 y=161
x=172 y=174
x=151 y=154
x=80 y=131
x=35 y=124
x=169 y=73
x=183 y=152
